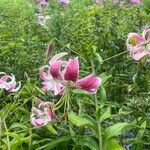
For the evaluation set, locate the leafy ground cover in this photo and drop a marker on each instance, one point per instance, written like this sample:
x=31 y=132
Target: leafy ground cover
x=74 y=75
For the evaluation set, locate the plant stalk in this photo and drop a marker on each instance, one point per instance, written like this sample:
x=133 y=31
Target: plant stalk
x=8 y=141
x=97 y=118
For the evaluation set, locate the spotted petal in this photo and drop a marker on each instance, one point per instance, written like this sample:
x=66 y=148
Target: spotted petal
x=90 y=83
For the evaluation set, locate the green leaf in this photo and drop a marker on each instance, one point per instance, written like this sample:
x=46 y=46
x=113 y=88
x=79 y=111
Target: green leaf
x=39 y=90
x=99 y=58
x=55 y=143
x=51 y=129
x=112 y=145
x=105 y=76
x=114 y=130
x=106 y=114
x=18 y=125
x=78 y=91
x=78 y=121
x=88 y=142
x=102 y=94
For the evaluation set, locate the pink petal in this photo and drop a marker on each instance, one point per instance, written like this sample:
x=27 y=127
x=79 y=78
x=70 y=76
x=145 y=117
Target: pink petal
x=53 y=85
x=4 y=77
x=72 y=70
x=51 y=115
x=37 y=111
x=43 y=75
x=139 y=53
x=39 y=122
x=138 y=39
x=135 y=1
x=90 y=83
x=146 y=34
x=55 y=69
x=57 y=56
x=15 y=88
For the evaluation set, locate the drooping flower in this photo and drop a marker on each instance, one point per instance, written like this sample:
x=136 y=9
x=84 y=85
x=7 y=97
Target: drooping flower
x=52 y=79
x=62 y=72
x=42 y=115
x=135 y=1
x=8 y=82
x=64 y=2
x=89 y=83
x=139 y=45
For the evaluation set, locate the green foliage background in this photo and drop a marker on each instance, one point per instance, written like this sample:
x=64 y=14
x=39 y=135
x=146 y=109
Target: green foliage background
x=97 y=35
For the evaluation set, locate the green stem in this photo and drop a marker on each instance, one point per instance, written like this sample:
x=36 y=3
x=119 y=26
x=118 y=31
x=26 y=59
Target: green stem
x=8 y=141
x=96 y=109
x=115 y=56
x=30 y=141
x=98 y=124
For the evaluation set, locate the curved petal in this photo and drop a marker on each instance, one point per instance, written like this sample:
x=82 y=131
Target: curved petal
x=51 y=115
x=72 y=70
x=146 y=34
x=57 y=56
x=10 y=84
x=55 y=69
x=90 y=83
x=53 y=86
x=16 y=89
x=139 y=53
x=43 y=75
x=4 y=77
x=39 y=122
x=135 y=39
x=37 y=111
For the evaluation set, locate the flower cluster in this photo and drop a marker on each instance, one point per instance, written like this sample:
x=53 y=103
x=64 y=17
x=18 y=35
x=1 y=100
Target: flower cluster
x=61 y=73
x=8 y=82
x=42 y=18
x=42 y=114
x=139 y=45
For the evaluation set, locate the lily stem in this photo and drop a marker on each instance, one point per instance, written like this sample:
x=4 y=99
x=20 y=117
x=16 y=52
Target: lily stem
x=8 y=141
x=97 y=118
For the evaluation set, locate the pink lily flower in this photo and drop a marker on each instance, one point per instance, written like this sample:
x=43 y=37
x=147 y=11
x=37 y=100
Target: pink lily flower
x=64 y=2
x=52 y=79
x=90 y=83
x=139 y=45
x=8 y=83
x=56 y=78
x=135 y=1
x=42 y=115
x=42 y=3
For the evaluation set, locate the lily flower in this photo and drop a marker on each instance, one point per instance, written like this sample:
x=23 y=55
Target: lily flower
x=89 y=83
x=42 y=115
x=8 y=83
x=42 y=3
x=59 y=73
x=64 y=2
x=52 y=79
x=135 y=1
x=139 y=45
